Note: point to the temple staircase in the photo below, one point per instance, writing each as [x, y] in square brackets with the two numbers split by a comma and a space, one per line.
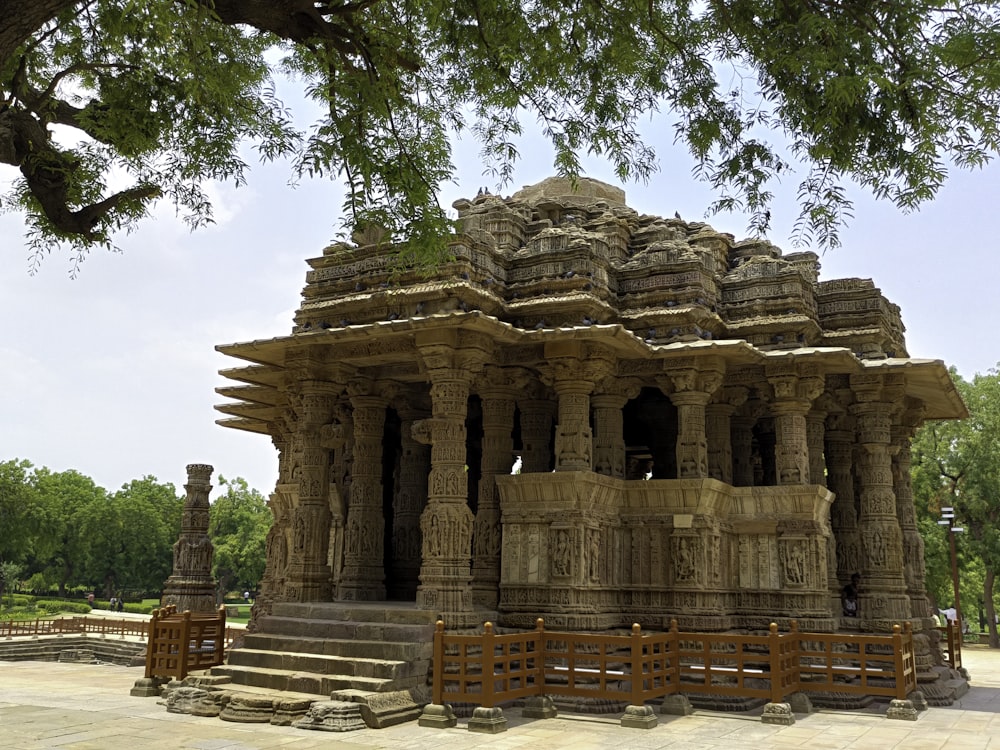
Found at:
[323, 648]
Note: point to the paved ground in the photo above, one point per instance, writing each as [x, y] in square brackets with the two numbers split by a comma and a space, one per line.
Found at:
[78, 707]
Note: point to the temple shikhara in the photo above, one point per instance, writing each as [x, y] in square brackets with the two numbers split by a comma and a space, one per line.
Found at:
[593, 416]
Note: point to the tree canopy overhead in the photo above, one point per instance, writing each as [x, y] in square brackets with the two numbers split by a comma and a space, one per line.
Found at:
[109, 105]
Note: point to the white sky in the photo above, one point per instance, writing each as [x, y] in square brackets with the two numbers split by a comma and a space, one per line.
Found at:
[113, 373]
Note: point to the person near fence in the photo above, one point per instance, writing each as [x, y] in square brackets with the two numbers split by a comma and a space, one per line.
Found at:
[121, 603]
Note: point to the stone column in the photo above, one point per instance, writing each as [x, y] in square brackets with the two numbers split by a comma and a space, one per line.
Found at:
[446, 523]
[335, 439]
[719, 431]
[536, 431]
[609, 436]
[408, 503]
[793, 396]
[815, 445]
[883, 599]
[191, 586]
[742, 424]
[572, 371]
[839, 446]
[691, 388]
[308, 575]
[913, 544]
[363, 577]
[498, 388]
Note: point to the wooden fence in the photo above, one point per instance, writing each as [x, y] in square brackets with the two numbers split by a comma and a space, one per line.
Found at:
[952, 636]
[491, 669]
[96, 625]
[183, 642]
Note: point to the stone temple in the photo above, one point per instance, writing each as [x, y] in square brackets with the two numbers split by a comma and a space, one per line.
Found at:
[698, 428]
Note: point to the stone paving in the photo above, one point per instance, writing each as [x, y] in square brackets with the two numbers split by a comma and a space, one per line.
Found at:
[83, 707]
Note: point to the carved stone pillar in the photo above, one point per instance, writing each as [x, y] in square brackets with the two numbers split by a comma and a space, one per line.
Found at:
[408, 503]
[719, 431]
[363, 578]
[609, 438]
[883, 599]
[446, 523]
[572, 374]
[793, 396]
[335, 439]
[690, 391]
[815, 445]
[839, 445]
[498, 388]
[190, 585]
[536, 431]
[913, 545]
[272, 585]
[308, 575]
[742, 424]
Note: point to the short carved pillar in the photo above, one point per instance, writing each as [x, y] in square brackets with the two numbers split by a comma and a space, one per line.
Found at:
[536, 431]
[308, 575]
[793, 396]
[498, 389]
[883, 599]
[574, 440]
[719, 431]
[609, 437]
[913, 545]
[839, 447]
[446, 523]
[190, 585]
[363, 576]
[690, 391]
[815, 444]
[408, 503]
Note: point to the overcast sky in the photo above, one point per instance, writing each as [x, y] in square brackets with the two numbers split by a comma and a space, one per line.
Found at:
[113, 373]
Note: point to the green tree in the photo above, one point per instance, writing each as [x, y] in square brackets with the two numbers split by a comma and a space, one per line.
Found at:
[10, 574]
[21, 515]
[238, 524]
[133, 531]
[74, 527]
[956, 465]
[160, 94]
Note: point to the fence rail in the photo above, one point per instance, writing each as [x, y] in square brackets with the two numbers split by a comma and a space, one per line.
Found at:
[491, 669]
[97, 625]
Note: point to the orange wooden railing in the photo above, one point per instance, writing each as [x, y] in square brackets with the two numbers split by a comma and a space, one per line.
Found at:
[96, 625]
[491, 669]
[952, 631]
[180, 643]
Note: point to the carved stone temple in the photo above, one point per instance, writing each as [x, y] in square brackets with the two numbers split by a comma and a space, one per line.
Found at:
[700, 428]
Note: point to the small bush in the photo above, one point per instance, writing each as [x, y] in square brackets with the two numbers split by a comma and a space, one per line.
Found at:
[139, 608]
[61, 605]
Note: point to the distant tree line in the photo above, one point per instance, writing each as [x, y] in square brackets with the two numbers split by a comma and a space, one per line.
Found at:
[63, 533]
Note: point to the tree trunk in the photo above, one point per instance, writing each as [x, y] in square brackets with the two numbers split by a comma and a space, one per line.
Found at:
[991, 614]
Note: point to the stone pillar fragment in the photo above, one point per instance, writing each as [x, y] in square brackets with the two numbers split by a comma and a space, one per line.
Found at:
[191, 586]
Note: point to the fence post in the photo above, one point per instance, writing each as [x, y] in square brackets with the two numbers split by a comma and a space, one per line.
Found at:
[638, 715]
[900, 707]
[539, 705]
[488, 665]
[487, 718]
[776, 712]
[437, 713]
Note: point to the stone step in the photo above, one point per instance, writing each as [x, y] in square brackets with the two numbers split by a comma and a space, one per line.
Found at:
[345, 629]
[396, 613]
[350, 648]
[314, 684]
[383, 669]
